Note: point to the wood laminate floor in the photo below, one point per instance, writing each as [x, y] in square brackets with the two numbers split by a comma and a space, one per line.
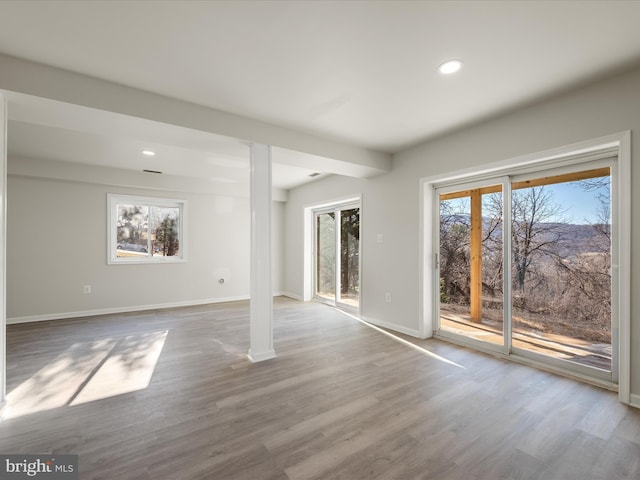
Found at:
[171, 395]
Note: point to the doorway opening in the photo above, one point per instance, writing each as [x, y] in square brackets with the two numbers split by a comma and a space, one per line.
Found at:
[337, 255]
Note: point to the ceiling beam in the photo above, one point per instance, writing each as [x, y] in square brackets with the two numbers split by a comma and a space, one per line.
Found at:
[23, 76]
[117, 177]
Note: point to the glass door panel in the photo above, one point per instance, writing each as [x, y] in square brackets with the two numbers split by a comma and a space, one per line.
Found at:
[338, 256]
[471, 264]
[326, 256]
[350, 257]
[561, 267]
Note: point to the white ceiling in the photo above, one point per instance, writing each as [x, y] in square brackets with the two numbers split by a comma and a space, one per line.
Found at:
[51, 130]
[360, 72]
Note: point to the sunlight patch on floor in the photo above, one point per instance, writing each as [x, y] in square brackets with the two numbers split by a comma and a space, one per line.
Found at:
[89, 371]
[424, 351]
[129, 368]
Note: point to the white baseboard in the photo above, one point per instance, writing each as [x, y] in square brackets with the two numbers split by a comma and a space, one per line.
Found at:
[291, 295]
[634, 400]
[393, 326]
[261, 356]
[133, 308]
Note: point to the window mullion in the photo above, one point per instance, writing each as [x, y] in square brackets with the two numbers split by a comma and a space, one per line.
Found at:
[506, 270]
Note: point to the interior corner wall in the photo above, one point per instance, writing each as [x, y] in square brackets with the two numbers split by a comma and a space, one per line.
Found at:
[57, 242]
[391, 201]
[384, 266]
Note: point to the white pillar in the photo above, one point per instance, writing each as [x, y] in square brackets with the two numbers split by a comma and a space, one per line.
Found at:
[3, 249]
[261, 303]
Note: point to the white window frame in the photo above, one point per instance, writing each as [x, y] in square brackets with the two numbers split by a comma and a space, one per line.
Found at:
[620, 145]
[114, 199]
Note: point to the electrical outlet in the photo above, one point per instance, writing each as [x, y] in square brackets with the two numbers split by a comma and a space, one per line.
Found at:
[86, 289]
[387, 296]
[380, 238]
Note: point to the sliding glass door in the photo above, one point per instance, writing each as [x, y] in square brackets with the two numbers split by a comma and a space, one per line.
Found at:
[337, 258]
[524, 266]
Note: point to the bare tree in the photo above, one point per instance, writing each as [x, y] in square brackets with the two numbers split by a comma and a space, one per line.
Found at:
[492, 254]
[533, 232]
[601, 186]
[586, 276]
[454, 251]
[455, 247]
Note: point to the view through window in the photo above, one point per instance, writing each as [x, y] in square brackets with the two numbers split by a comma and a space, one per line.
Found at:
[560, 241]
[146, 229]
[337, 263]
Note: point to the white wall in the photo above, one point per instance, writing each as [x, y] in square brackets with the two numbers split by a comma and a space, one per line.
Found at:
[391, 201]
[387, 266]
[57, 240]
[277, 247]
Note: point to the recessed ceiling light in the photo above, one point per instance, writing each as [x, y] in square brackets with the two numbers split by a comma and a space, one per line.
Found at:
[148, 153]
[450, 66]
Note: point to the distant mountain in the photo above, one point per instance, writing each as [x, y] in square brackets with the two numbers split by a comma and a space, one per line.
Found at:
[572, 239]
[577, 239]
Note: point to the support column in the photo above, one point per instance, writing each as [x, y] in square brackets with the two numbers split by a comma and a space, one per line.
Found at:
[476, 256]
[261, 303]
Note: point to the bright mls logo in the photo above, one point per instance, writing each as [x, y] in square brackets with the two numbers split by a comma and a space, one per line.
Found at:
[51, 467]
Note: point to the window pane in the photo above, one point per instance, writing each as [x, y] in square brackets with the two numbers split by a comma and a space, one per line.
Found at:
[132, 230]
[350, 256]
[471, 262]
[165, 231]
[561, 244]
[326, 256]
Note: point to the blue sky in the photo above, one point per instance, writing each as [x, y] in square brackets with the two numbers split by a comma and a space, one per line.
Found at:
[581, 207]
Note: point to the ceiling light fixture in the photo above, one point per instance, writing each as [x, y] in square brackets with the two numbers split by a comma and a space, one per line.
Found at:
[149, 153]
[450, 66]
